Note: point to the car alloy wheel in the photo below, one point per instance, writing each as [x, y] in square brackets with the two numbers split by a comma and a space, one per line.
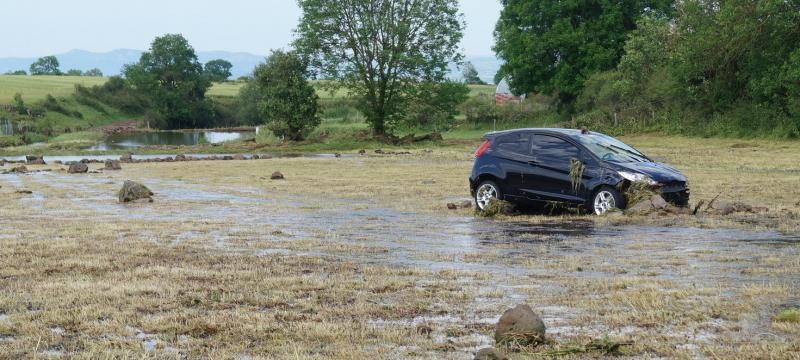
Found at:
[486, 192]
[604, 201]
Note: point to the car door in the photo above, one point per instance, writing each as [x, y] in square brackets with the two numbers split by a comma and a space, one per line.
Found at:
[513, 154]
[548, 173]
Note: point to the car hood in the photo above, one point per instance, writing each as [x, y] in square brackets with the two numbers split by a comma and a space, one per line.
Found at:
[657, 171]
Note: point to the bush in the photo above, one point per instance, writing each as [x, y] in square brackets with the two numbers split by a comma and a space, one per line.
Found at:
[480, 110]
[343, 109]
[434, 105]
[288, 100]
[10, 140]
[19, 104]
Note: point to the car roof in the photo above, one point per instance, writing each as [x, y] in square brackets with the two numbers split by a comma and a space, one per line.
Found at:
[553, 131]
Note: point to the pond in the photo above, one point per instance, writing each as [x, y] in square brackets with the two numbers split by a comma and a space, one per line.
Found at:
[174, 138]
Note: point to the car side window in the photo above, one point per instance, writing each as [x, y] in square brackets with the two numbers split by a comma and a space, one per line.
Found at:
[515, 143]
[553, 148]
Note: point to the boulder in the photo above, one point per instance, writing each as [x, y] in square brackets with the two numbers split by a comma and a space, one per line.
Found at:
[78, 168]
[180, 157]
[126, 158]
[112, 165]
[35, 160]
[362, 152]
[658, 202]
[132, 191]
[520, 325]
[227, 157]
[239, 157]
[490, 353]
[338, 155]
[277, 176]
[256, 157]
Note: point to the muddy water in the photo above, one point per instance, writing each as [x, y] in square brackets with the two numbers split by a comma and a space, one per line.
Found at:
[549, 256]
[443, 241]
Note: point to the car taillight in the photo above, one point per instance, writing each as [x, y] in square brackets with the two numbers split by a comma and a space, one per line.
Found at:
[482, 149]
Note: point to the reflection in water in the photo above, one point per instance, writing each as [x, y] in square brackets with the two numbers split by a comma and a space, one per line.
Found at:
[173, 138]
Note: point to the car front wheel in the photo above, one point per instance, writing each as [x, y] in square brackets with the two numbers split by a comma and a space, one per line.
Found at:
[606, 199]
[487, 190]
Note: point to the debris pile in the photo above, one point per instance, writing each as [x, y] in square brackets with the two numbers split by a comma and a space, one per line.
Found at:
[497, 207]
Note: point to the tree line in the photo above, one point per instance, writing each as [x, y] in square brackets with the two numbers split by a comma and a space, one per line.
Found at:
[693, 66]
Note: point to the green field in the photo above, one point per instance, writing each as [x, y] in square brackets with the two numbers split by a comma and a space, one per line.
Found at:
[34, 88]
[232, 89]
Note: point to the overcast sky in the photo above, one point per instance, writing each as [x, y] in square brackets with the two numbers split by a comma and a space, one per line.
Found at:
[33, 28]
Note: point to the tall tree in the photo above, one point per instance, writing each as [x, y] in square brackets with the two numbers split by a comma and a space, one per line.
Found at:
[47, 65]
[218, 70]
[93, 72]
[171, 77]
[470, 75]
[380, 49]
[287, 100]
[553, 46]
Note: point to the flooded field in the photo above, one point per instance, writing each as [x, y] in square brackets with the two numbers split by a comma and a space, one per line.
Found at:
[135, 140]
[357, 257]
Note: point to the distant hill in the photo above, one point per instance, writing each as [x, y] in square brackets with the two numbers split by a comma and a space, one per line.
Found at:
[111, 62]
[243, 63]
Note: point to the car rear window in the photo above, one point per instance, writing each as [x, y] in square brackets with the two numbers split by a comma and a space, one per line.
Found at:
[516, 143]
[551, 147]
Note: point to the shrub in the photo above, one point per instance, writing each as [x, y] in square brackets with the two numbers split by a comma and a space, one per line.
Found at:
[480, 110]
[10, 140]
[288, 100]
[434, 105]
[19, 104]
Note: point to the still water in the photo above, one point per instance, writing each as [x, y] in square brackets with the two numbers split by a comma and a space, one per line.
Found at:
[155, 138]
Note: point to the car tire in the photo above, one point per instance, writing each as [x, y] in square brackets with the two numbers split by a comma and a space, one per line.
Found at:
[486, 190]
[604, 199]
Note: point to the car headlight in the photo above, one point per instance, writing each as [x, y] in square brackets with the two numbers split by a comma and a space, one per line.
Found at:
[637, 177]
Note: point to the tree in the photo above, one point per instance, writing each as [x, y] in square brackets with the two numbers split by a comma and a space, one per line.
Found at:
[74, 72]
[471, 75]
[287, 99]
[17, 72]
[47, 65]
[93, 72]
[552, 46]
[218, 70]
[380, 49]
[171, 78]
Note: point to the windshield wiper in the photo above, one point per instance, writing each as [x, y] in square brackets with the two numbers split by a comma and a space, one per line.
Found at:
[635, 154]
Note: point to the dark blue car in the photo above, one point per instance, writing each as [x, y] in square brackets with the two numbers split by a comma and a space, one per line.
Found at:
[533, 166]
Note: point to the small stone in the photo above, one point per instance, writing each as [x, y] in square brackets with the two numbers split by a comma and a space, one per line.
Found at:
[132, 191]
[520, 325]
[112, 165]
[452, 206]
[78, 168]
[466, 204]
[277, 176]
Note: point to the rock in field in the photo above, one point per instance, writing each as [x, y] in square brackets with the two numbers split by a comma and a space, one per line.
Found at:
[239, 157]
[277, 176]
[180, 157]
[132, 191]
[112, 165]
[35, 160]
[490, 353]
[20, 169]
[520, 325]
[78, 168]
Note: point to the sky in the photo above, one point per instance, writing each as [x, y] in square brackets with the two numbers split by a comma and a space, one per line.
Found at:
[34, 28]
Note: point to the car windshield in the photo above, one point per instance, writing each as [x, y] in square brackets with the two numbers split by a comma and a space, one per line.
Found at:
[610, 149]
